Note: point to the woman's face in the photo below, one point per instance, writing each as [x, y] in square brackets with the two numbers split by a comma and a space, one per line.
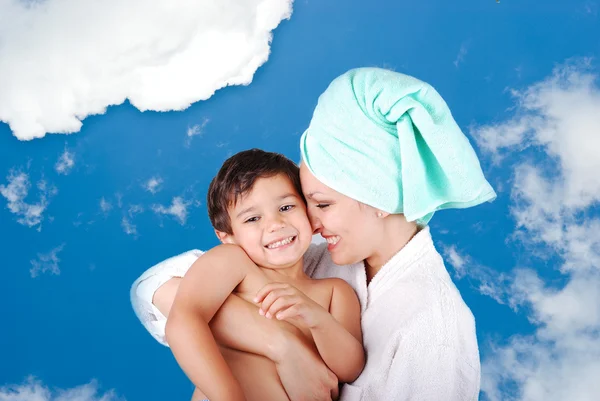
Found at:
[351, 228]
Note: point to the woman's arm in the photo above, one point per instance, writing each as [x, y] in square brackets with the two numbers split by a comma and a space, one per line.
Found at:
[201, 293]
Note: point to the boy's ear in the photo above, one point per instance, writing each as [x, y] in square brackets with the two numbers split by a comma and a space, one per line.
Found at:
[224, 237]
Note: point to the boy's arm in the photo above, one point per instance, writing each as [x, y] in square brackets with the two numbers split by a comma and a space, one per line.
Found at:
[201, 293]
[339, 337]
[336, 333]
[301, 371]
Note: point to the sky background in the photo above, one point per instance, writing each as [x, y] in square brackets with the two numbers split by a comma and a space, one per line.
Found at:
[83, 215]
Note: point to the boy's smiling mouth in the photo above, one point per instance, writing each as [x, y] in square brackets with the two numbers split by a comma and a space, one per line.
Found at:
[281, 242]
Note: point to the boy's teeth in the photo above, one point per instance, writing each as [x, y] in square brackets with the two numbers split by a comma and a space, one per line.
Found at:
[332, 240]
[280, 243]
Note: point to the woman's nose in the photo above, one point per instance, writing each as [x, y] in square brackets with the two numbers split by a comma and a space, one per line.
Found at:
[315, 223]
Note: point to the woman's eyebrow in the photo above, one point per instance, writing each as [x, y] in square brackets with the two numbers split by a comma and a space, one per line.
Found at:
[312, 194]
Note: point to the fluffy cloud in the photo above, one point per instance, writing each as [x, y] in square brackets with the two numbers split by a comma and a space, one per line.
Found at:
[17, 190]
[160, 55]
[65, 162]
[153, 185]
[34, 390]
[46, 262]
[554, 205]
[178, 209]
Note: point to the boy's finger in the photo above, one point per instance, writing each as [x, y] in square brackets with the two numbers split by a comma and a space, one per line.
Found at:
[288, 313]
[264, 291]
[280, 304]
[269, 299]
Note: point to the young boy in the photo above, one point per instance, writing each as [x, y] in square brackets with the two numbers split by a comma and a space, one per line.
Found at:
[257, 210]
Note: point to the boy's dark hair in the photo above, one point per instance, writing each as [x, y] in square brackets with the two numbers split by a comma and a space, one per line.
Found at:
[237, 176]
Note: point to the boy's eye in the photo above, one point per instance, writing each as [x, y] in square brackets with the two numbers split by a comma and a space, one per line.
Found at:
[251, 220]
[286, 208]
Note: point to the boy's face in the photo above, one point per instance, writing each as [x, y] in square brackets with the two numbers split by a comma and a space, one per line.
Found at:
[270, 223]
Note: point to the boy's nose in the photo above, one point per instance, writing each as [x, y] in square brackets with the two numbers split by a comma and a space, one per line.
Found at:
[276, 223]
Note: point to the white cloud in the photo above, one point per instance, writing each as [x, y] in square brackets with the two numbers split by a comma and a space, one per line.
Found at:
[128, 227]
[160, 55]
[105, 205]
[457, 260]
[135, 209]
[16, 191]
[33, 390]
[178, 209]
[153, 185]
[46, 262]
[485, 280]
[195, 130]
[554, 205]
[119, 197]
[460, 57]
[65, 163]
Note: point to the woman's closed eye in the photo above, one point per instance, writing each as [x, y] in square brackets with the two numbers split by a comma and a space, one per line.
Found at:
[322, 205]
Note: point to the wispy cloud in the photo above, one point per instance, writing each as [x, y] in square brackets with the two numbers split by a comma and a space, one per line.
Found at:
[178, 209]
[46, 262]
[195, 130]
[34, 390]
[590, 8]
[462, 53]
[153, 185]
[65, 162]
[105, 206]
[135, 209]
[157, 59]
[17, 190]
[128, 227]
[553, 209]
[485, 280]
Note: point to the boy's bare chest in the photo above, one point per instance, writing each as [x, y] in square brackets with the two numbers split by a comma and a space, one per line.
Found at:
[319, 291]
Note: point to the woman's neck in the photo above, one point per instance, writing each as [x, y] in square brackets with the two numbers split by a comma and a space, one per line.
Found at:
[396, 233]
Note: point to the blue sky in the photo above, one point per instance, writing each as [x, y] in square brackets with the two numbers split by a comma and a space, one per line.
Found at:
[82, 215]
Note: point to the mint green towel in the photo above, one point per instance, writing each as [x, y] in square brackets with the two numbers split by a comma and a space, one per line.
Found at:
[389, 140]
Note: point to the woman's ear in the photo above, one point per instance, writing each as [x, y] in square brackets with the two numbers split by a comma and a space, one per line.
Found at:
[224, 237]
[381, 214]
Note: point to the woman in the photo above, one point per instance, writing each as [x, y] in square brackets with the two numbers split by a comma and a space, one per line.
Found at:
[381, 155]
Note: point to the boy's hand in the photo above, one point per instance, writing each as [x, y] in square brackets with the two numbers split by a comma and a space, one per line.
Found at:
[285, 302]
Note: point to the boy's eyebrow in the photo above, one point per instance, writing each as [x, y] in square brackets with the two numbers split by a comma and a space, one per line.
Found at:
[282, 197]
[288, 195]
[246, 210]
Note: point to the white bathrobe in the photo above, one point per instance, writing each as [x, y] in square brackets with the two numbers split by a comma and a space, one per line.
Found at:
[418, 334]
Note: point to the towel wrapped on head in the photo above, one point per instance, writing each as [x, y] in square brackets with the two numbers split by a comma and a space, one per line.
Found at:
[389, 140]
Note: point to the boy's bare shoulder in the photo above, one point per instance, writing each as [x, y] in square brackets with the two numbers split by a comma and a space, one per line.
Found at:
[227, 256]
[338, 287]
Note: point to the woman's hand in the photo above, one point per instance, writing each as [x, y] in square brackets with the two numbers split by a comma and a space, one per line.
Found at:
[285, 302]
